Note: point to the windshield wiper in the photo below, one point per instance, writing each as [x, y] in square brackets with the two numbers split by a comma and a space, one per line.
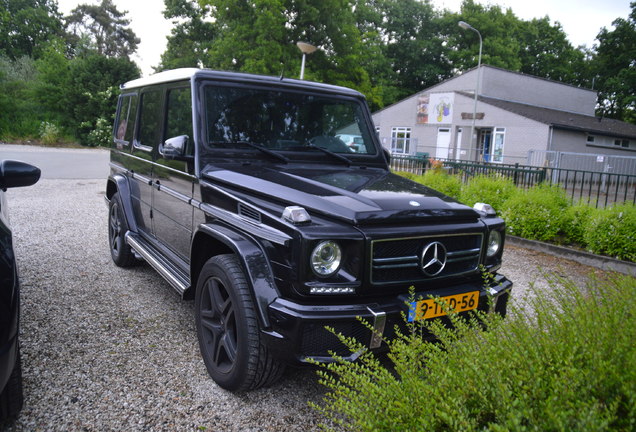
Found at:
[330, 153]
[258, 147]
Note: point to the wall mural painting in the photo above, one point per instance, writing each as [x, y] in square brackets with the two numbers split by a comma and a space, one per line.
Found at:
[422, 109]
[436, 108]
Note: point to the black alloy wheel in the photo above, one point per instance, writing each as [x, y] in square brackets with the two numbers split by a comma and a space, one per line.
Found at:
[120, 251]
[228, 329]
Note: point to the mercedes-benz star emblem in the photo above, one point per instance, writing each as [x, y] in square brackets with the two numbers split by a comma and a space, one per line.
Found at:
[433, 259]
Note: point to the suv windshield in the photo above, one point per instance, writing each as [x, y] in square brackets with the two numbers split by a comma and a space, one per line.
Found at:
[285, 121]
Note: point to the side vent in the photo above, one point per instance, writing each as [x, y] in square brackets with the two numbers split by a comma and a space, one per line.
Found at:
[249, 213]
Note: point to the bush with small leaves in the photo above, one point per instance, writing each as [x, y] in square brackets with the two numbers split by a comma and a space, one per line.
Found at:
[612, 231]
[566, 362]
[536, 214]
[575, 221]
[49, 133]
[101, 134]
[489, 189]
[442, 182]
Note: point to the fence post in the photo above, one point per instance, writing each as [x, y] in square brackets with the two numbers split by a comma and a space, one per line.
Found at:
[516, 176]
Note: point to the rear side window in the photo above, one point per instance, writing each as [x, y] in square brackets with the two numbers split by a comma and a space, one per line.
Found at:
[150, 119]
[125, 124]
[179, 114]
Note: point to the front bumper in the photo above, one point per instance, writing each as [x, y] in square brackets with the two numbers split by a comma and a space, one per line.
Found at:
[298, 331]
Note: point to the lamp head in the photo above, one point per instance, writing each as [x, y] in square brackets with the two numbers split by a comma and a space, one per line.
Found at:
[305, 47]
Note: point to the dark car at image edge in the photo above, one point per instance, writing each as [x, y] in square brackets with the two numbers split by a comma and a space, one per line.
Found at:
[240, 191]
[12, 174]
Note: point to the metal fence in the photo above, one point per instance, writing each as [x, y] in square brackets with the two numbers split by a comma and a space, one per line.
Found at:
[596, 188]
[583, 161]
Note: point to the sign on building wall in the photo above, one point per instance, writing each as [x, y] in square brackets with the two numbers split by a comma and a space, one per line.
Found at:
[436, 108]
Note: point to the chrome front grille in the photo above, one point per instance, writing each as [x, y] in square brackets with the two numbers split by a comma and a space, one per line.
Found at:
[400, 260]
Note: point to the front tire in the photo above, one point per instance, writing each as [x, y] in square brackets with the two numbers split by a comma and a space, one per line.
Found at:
[120, 251]
[228, 330]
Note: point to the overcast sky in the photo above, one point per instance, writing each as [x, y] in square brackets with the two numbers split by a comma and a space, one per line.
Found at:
[580, 19]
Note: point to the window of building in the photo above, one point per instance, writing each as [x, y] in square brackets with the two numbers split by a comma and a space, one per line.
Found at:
[498, 145]
[621, 143]
[400, 140]
[590, 139]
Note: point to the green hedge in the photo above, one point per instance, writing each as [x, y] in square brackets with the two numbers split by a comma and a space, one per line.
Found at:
[569, 365]
[493, 190]
[544, 213]
[535, 214]
[612, 231]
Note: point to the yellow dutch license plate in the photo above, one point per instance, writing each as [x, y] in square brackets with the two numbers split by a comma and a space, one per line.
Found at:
[432, 308]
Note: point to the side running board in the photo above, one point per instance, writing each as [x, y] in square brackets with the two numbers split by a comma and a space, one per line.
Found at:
[170, 272]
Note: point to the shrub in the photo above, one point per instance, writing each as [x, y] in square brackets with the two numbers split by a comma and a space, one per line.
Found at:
[100, 134]
[493, 190]
[442, 182]
[536, 214]
[575, 221]
[569, 363]
[408, 175]
[49, 133]
[612, 231]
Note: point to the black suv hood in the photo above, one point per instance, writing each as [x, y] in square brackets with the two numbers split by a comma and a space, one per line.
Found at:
[356, 194]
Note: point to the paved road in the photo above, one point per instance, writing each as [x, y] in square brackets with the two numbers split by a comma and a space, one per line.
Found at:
[60, 163]
[106, 348]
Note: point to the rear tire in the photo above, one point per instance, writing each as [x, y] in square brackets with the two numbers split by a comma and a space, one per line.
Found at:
[12, 398]
[228, 330]
[120, 251]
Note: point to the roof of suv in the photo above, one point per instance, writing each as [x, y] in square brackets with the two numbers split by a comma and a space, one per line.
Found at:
[189, 73]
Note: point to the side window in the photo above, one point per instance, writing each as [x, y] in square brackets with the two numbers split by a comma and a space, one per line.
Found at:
[179, 115]
[150, 119]
[125, 123]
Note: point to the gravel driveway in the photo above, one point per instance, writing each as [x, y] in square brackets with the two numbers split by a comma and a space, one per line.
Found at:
[107, 349]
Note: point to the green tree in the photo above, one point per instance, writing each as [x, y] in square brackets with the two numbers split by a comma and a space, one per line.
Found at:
[615, 68]
[19, 113]
[260, 37]
[27, 24]
[53, 84]
[191, 36]
[92, 91]
[401, 48]
[104, 28]
[546, 52]
[418, 57]
[498, 30]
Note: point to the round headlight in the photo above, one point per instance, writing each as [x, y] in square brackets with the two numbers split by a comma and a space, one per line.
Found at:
[326, 258]
[494, 243]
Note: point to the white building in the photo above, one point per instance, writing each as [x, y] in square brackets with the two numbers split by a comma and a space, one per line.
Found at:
[519, 119]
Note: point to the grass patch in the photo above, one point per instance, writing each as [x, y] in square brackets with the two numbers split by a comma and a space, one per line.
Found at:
[568, 362]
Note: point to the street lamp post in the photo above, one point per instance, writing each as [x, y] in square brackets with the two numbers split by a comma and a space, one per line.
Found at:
[306, 49]
[466, 26]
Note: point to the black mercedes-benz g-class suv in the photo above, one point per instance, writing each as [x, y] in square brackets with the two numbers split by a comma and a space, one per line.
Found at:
[238, 191]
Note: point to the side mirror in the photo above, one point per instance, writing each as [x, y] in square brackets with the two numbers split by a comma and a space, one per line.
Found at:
[17, 174]
[175, 148]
